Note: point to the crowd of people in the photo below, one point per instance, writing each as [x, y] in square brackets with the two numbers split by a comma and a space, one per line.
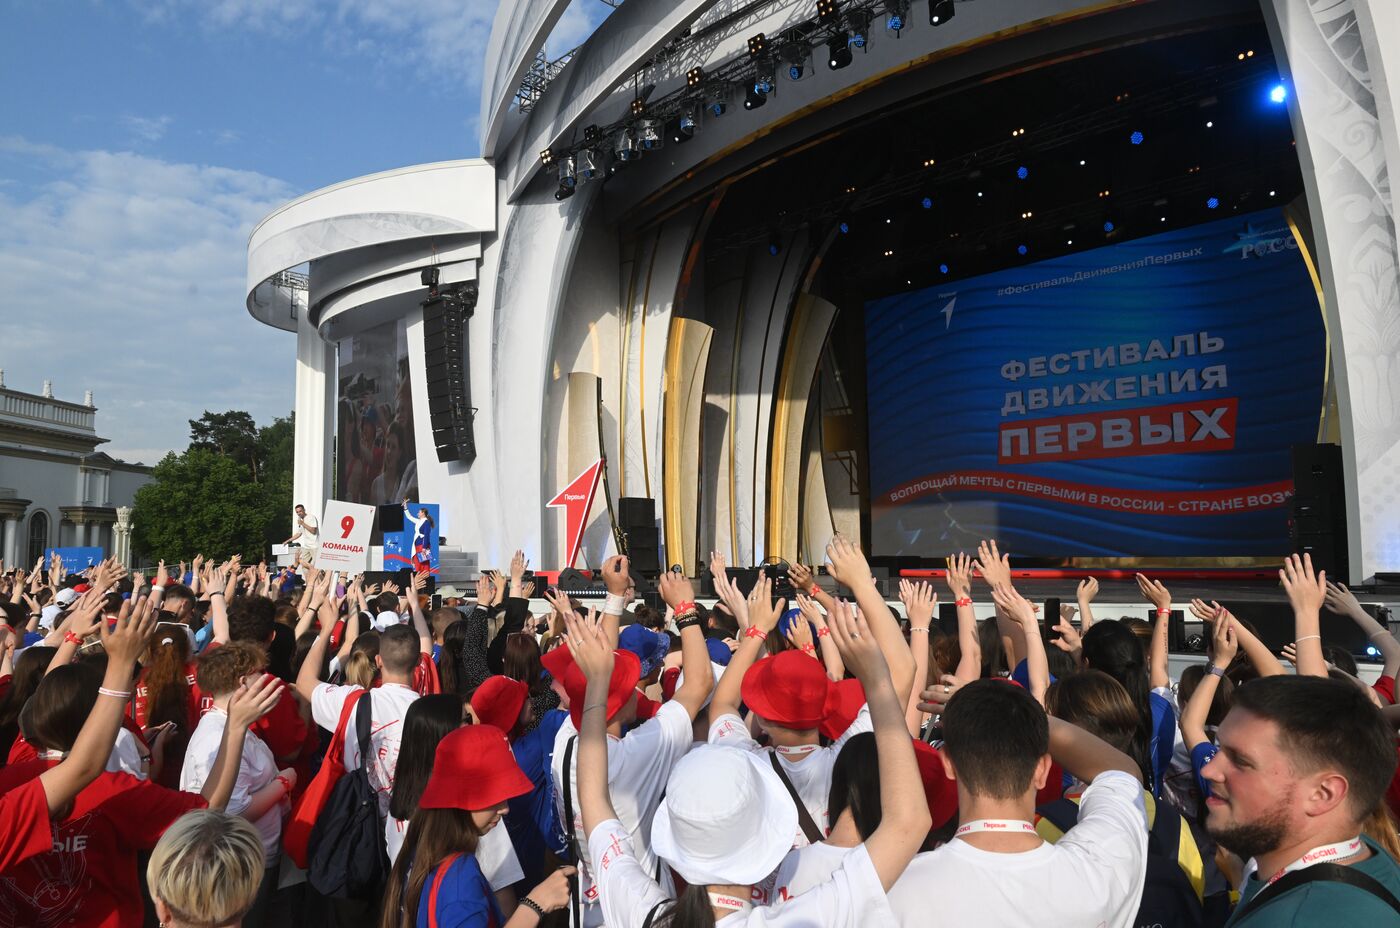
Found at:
[227, 744]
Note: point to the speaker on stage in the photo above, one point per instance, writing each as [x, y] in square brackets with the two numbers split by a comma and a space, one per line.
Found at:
[445, 360]
[636, 516]
[1317, 524]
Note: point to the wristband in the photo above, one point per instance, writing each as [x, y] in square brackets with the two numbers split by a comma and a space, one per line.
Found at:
[103, 691]
[814, 590]
[914, 628]
[532, 905]
[753, 631]
[1211, 668]
[963, 601]
[211, 592]
[286, 783]
[596, 705]
[72, 638]
[809, 648]
[614, 604]
[683, 608]
[690, 621]
[1308, 638]
[823, 632]
[1164, 612]
[1374, 635]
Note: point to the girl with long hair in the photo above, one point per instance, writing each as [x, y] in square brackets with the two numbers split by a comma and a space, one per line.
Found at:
[166, 694]
[1115, 649]
[437, 878]
[29, 671]
[522, 662]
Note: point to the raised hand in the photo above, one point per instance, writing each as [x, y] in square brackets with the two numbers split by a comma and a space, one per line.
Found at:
[1224, 645]
[799, 633]
[553, 893]
[616, 574]
[126, 639]
[588, 643]
[483, 591]
[1306, 590]
[675, 589]
[1341, 600]
[934, 698]
[801, 577]
[1155, 593]
[252, 701]
[960, 576]
[558, 602]
[729, 594]
[1017, 607]
[919, 602]
[1069, 640]
[518, 563]
[848, 563]
[391, 587]
[763, 612]
[419, 581]
[1207, 613]
[857, 645]
[994, 566]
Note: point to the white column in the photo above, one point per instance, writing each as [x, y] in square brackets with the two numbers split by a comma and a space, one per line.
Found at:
[9, 552]
[80, 535]
[1343, 61]
[315, 414]
[121, 536]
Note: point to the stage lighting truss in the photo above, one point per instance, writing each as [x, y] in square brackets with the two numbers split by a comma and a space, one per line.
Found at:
[695, 77]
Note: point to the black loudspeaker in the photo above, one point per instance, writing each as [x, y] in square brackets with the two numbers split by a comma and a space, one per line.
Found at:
[743, 578]
[948, 619]
[1317, 524]
[445, 347]
[1049, 618]
[389, 518]
[1273, 624]
[636, 511]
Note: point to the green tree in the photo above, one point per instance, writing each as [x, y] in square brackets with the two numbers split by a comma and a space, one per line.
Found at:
[229, 493]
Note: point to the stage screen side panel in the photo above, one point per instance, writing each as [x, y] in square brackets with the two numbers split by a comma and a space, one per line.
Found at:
[375, 449]
[1136, 399]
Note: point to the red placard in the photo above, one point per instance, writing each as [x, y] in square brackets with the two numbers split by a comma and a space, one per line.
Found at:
[576, 500]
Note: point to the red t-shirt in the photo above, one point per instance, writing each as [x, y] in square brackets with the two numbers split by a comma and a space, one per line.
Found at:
[1385, 687]
[425, 676]
[24, 824]
[89, 876]
[139, 708]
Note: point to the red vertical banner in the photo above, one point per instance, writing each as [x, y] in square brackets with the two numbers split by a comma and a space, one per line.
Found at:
[576, 500]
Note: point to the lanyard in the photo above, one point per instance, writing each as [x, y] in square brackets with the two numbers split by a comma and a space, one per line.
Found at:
[1008, 825]
[723, 901]
[796, 750]
[1327, 852]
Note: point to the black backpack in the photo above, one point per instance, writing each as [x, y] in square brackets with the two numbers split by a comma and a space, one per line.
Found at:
[346, 858]
[1168, 898]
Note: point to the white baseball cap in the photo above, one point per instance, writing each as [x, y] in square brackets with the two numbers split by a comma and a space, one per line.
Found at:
[387, 620]
[48, 614]
[66, 596]
[726, 818]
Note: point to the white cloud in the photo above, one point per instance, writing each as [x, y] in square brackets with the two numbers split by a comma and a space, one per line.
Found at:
[147, 128]
[123, 274]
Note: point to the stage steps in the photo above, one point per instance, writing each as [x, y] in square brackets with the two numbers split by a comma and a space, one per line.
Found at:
[456, 566]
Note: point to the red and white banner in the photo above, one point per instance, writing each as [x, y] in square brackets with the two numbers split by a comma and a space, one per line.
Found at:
[1170, 503]
[576, 500]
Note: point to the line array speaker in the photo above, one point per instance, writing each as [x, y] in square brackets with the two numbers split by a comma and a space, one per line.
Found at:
[637, 516]
[445, 315]
[1317, 523]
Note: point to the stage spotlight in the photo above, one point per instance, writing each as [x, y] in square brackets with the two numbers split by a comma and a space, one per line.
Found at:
[591, 135]
[858, 22]
[639, 106]
[717, 100]
[1108, 226]
[590, 163]
[897, 12]
[757, 45]
[942, 268]
[694, 76]
[1136, 138]
[827, 11]
[1021, 249]
[1278, 94]
[753, 99]
[563, 193]
[1213, 203]
[649, 134]
[843, 228]
[1023, 172]
[940, 11]
[838, 49]
[795, 55]
[546, 157]
[626, 146]
[763, 78]
[926, 203]
[680, 129]
[775, 246]
[568, 172]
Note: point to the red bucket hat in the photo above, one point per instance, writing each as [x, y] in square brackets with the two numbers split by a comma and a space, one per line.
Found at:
[792, 690]
[940, 790]
[498, 700]
[627, 670]
[557, 661]
[474, 769]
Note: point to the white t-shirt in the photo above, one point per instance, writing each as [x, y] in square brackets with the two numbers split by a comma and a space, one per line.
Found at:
[388, 706]
[257, 769]
[810, 773]
[494, 852]
[1092, 877]
[638, 767]
[804, 868]
[852, 897]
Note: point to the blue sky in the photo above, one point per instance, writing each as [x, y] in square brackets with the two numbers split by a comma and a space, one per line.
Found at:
[140, 141]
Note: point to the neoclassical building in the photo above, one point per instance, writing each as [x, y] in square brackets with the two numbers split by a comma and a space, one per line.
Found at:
[56, 488]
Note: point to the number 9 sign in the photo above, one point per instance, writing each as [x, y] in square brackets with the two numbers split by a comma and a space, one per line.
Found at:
[347, 549]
